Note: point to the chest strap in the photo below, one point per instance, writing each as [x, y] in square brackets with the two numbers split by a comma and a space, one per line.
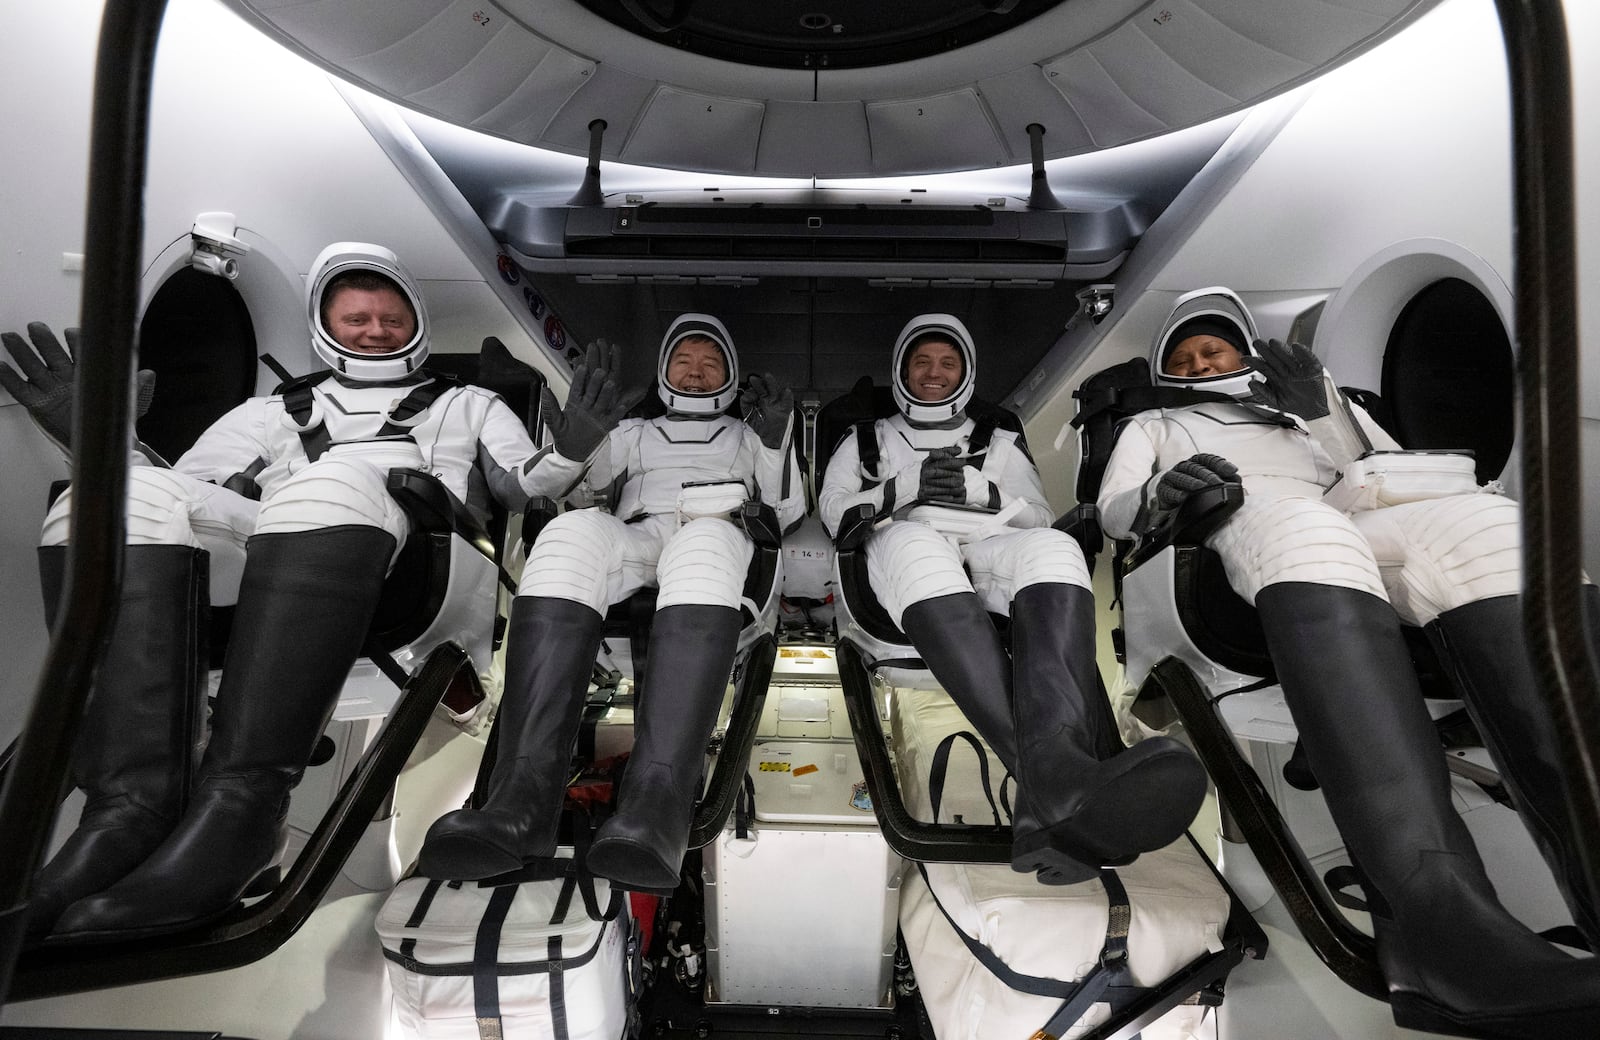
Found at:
[869, 454]
[300, 401]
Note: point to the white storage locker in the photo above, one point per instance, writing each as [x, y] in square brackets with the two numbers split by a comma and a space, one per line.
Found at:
[802, 911]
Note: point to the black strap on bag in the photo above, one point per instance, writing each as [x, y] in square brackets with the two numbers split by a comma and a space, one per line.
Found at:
[941, 765]
[1110, 979]
[485, 966]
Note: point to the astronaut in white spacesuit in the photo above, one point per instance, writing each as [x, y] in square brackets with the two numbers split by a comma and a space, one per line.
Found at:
[279, 507]
[1332, 589]
[1077, 810]
[676, 481]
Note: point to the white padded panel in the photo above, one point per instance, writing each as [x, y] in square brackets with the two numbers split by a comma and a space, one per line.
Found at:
[608, 94]
[829, 137]
[339, 30]
[484, 81]
[527, 110]
[1238, 65]
[1095, 73]
[1156, 82]
[678, 127]
[943, 132]
[1024, 96]
[431, 54]
[1310, 31]
[1108, 114]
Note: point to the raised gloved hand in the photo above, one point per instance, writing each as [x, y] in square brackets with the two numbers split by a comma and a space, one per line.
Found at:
[1187, 479]
[1293, 379]
[594, 405]
[767, 408]
[44, 387]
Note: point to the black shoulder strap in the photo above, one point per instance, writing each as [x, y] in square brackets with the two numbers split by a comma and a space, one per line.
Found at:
[298, 400]
[868, 452]
[416, 402]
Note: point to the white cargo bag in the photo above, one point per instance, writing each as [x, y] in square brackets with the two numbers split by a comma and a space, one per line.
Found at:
[468, 960]
[1177, 909]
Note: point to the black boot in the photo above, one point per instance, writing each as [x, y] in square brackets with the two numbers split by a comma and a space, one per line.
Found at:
[641, 848]
[550, 653]
[1074, 807]
[305, 603]
[1100, 803]
[137, 745]
[1483, 646]
[1455, 960]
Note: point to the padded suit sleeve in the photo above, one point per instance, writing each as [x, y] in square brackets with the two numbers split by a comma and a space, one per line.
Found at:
[1376, 435]
[516, 470]
[235, 443]
[1131, 475]
[1018, 478]
[777, 474]
[842, 486]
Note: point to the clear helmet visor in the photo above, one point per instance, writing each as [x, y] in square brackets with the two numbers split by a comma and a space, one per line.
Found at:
[352, 264]
[1214, 312]
[922, 328]
[697, 401]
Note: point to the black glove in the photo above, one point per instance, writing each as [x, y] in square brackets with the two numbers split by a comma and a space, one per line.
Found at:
[767, 408]
[941, 478]
[594, 404]
[44, 387]
[1293, 379]
[1188, 478]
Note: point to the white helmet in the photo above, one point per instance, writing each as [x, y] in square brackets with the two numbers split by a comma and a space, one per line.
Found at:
[1214, 311]
[948, 327]
[686, 402]
[343, 258]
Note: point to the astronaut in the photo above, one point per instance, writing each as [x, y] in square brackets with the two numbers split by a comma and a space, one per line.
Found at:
[1332, 589]
[1077, 810]
[676, 480]
[281, 508]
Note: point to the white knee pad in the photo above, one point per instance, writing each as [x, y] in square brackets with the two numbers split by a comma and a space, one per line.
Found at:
[159, 502]
[1036, 556]
[1272, 540]
[909, 562]
[333, 492]
[575, 557]
[1446, 552]
[704, 563]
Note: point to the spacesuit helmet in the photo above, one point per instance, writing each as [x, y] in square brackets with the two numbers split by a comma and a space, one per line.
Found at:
[924, 327]
[330, 272]
[1214, 311]
[698, 402]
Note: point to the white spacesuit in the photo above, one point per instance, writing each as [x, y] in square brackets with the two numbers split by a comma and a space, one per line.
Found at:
[1076, 812]
[674, 482]
[1331, 589]
[283, 502]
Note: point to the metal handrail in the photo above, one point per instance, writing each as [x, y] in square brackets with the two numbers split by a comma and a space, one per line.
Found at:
[101, 440]
[1547, 307]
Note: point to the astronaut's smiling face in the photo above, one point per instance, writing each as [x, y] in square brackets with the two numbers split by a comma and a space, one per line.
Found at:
[1203, 355]
[696, 366]
[934, 370]
[370, 321]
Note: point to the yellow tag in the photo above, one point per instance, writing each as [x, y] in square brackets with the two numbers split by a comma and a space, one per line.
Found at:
[774, 767]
